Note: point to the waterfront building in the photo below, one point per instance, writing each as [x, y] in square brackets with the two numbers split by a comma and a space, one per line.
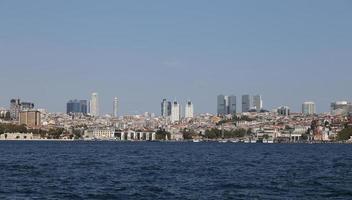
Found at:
[308, 108]
[189, 110]
[94, 105]
[30, 118]
[175, 112]
[115, 107]
[257, 102]
[77, 106]
[246, 103]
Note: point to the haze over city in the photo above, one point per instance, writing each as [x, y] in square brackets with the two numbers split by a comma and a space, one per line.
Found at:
[142, 52]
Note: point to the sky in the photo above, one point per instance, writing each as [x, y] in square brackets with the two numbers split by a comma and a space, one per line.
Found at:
[143, 51]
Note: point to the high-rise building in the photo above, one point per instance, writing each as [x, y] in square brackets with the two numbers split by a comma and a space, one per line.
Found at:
[15, 108]
[308, 108]
[115, 107]
[246, 103]
[27, 106]
[221, 105]
[77, 106]
[231, 104]
[257, 102]
[31, 118]
[94, 105]
[189, 110]
[165, 108]
[283, 110]
[175, 112]
[226, 105]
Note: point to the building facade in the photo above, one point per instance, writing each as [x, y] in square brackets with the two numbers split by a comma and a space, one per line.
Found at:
[246, 103]
[257, 102]
[175, 112]
[115, 107]
[94, 105]
[30, 118]
[189, 110]
[77, 106]
[308, 108]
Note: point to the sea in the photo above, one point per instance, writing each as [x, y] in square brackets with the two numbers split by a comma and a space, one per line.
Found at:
[173, 170]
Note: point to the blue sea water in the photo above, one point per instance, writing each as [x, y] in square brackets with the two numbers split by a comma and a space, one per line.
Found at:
[170, 170]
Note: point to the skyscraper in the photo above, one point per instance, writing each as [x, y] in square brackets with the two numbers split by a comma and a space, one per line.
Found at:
[94, 105]
[226, 105]
[231, 107]
[115, 107]
[257, 102]
[284, 110]
[221, 105]
[308, 108]
[246, 103]
[77, 106]
[15, 108]
[189, 110]
[175, 112]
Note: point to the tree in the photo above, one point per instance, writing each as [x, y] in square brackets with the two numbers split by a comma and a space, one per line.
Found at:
[161, 134]
[345, 134]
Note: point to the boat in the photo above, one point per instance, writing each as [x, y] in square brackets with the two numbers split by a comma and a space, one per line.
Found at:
[197, 140]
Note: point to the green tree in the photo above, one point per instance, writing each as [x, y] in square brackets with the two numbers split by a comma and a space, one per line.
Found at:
[345, 134]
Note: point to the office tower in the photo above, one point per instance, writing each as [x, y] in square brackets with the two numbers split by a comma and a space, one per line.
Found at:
[15, 108]
[115, 107]
[246, 103]
[231, 104]
[221, 105]
[94, 105]
[30, 118]
[189, 110]
[164, 108]
[5, 114]
[308, 108]
[257, 102]
[175, 112]
[77, 106]
[27, 106]
[283, 110]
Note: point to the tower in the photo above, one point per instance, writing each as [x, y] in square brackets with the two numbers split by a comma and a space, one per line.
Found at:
[115, 107]
[175, 112]
[94, 104]
[257, 102]
[246, 103]
[189, 110]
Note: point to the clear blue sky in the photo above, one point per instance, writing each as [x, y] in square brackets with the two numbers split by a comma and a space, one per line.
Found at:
[143, 51]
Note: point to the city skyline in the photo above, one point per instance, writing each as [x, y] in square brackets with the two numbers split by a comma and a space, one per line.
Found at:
[285, 51]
